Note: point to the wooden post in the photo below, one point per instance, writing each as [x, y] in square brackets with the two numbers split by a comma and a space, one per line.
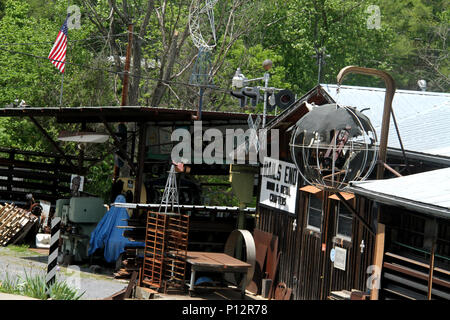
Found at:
[141, 162]
[81, 153]
[127, 66]
[433, 251]
[378, 257]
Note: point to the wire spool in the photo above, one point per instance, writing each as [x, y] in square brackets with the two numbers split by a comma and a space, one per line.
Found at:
[230, 248]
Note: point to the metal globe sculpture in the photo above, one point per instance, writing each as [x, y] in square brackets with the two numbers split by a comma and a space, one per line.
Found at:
[333, 145]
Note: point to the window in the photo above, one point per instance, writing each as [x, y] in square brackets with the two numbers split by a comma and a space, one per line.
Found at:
[344, 223]
[314, 213]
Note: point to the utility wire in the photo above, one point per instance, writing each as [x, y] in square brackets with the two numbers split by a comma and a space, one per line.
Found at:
[116, 72]
[51, 42]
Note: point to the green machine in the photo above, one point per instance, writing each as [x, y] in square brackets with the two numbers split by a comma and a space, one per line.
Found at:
[242, 178]
[79, 217]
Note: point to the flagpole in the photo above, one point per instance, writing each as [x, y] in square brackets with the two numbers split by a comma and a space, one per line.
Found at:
[62, 77]
[62, 88]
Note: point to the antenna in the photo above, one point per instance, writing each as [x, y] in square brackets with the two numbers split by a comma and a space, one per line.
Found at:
[170, 196]
[201, 75]
[197, 13]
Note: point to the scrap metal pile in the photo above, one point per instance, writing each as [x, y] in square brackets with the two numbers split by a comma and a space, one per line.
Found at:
[266, 267]
[15, 223]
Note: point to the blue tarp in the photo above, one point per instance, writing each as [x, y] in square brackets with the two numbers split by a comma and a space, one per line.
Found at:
[107, 236]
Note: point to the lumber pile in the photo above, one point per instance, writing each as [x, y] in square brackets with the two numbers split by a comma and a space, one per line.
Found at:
[14, 223]
[132, 262]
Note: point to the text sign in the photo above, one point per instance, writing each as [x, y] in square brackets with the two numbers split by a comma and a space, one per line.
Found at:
[340, 258]
[279, 185]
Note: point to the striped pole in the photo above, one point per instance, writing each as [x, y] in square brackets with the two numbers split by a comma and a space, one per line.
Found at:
[53, 252]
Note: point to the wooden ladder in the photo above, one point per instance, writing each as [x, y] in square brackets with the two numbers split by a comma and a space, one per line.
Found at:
[177, 244]
[152, 271]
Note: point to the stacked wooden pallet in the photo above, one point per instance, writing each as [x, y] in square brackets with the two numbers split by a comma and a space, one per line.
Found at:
[175, 259]
[14, 223]
[165, 252]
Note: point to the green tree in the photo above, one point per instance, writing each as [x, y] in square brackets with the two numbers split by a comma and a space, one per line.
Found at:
[297, 29]
[420, 49]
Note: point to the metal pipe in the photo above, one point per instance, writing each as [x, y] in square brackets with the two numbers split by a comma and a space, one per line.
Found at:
[382, 155]
[266, 85]
[392, 170]
[200, 103]
[390, 91]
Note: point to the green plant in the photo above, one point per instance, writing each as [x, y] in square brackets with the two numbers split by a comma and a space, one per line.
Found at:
[62, 291]
[36, 287]
[9, 285]
[21, 248]
[33, 286]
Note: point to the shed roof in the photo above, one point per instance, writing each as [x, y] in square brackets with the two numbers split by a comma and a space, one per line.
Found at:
[426, 192]
[123, 114]
[422, 117]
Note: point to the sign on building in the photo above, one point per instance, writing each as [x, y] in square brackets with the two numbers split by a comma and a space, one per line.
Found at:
[340, 258]
[76, 183]
[279, 185]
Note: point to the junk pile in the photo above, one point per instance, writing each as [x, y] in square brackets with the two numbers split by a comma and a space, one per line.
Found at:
[15, 223]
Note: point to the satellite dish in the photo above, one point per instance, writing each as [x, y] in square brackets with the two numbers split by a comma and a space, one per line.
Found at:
[83, 137]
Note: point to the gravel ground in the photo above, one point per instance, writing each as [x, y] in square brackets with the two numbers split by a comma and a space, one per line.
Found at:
[15, 261]
[95, 286]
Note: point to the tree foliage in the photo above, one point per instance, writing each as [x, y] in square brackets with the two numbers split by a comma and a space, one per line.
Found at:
[410, 43]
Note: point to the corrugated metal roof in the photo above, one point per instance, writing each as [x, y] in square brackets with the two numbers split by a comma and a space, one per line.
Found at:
[427, 192]
[423, 118]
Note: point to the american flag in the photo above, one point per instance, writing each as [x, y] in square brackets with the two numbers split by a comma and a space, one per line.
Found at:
[58, 53]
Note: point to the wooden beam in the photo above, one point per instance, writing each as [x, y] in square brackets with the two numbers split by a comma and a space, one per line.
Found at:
[118, 144]
[424, 265]
[378, 257]
[53, 142]
[141, 160]
[414, 273]
[433, 250]
[354, 212]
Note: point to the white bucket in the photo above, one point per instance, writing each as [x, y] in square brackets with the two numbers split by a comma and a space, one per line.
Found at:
[43, 240]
